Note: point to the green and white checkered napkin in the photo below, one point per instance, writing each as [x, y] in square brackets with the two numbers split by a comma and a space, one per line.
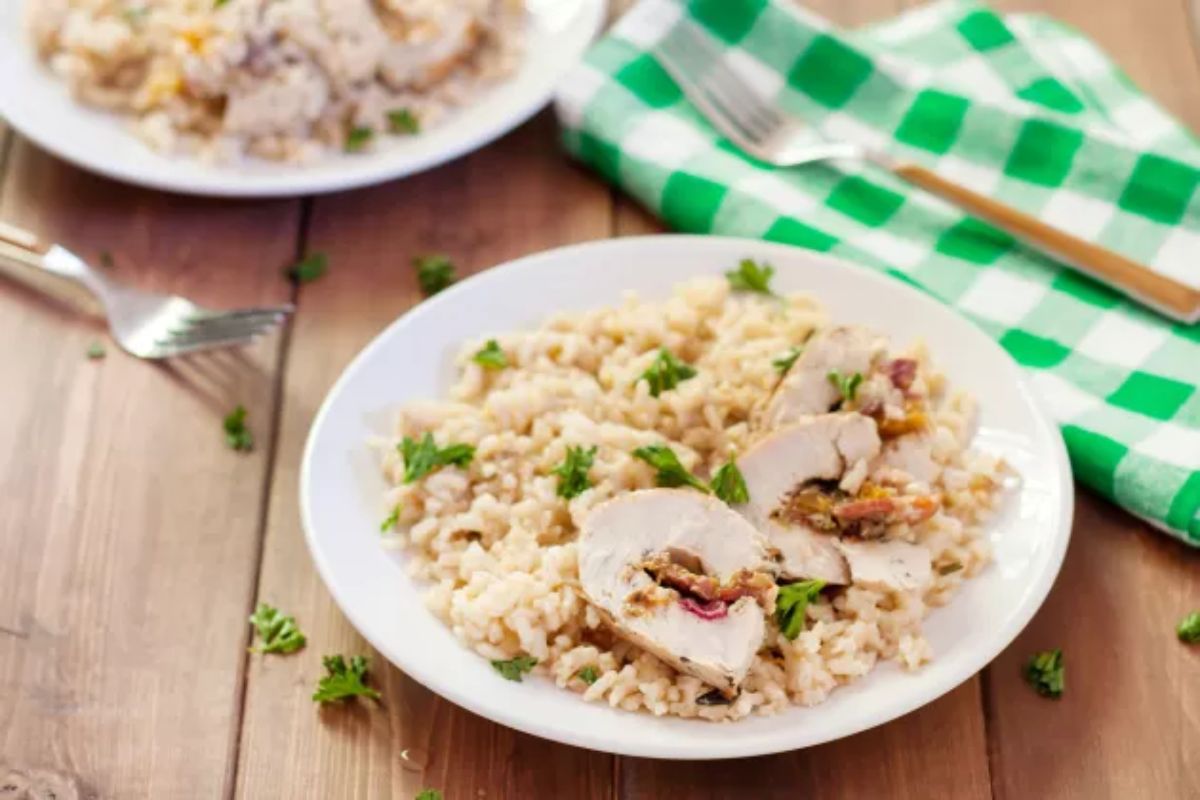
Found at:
[1018, 107]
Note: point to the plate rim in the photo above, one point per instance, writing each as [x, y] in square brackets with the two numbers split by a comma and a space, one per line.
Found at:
[292, 183]
[919, 698]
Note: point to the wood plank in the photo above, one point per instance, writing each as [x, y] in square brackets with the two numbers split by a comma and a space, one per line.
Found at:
[512, 198]
[129, 530]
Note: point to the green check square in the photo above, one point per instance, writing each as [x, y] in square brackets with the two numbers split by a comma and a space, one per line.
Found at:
[604, 157]
[933, 121]
[729, 20]
[690, 202]
[1043, 153]
[865, 202]
[649, 82]
[792, 231]
[1187, 500]
[1160, 189]
[1151, 395]
[1033, 351]
[829, 71]
[1094, 457]
[983, 30]
[974, 241]
[1051, 93]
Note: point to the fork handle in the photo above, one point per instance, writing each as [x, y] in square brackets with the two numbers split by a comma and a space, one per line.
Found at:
[1168, 296]
[24, 258]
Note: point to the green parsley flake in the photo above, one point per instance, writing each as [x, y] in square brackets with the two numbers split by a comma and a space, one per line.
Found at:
[134, 16]
[434, 273]
[514, 668]
[1044, 672]
[358, 138]
[573, 472]
[792, 603]
[428, 794]
[344, 681]
[785, 361]
[666, 372]
[847, 386]
[401, 120]
[389, 523]
[1188, 629]
[750, 276]
[96, 351]
[219, 3]
[951, 568]
[729, 485]
[670, 473]
[491, 356]
[237, 435]
[309, 268]
[423, 457]
[278, 633]
[588, 675]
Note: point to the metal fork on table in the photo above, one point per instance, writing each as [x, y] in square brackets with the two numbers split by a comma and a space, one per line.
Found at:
[748, 120]
[145, 324]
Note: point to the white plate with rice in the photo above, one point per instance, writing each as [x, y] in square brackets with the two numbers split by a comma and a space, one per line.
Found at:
[264, 97]
[483, 562]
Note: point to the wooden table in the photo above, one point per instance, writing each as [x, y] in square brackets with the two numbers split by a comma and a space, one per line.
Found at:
[133, 542]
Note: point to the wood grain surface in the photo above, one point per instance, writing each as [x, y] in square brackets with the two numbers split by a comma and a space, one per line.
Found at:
[134, 543]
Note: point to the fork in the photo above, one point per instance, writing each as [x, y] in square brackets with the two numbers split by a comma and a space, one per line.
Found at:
[748, 120]
[145, 324]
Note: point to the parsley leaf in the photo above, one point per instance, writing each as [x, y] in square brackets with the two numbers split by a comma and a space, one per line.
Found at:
[491, 356]
[588, 675]
[670, 472]
[428, 794]
[343, 681]
[401, 120]
[950, 569]
[308, 269]
[219, 3]
[750, 276]
[237, 435]
[514, 668]
[666, 372]
[573, 471]
[278, 633]
[729, 485]
[847, 385]
[1188, 629]
[390, 522]
[1044, 672]
[358, 138]
[423, 457]
[785, 361]
[96, 350]
[792, 603]
[434, 272]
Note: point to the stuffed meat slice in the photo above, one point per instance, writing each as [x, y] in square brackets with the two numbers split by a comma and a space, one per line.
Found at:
[680, 574]
[806, 388]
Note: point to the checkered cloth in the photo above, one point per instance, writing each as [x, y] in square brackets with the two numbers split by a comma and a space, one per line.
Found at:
[1020, 108]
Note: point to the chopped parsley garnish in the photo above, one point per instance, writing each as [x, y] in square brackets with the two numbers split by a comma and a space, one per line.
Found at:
[344, 681]
[666, 372]
[491, 356]
[514, 668]
[1188, 629]
[951, 568]
[135, 15]
[401, 120]
[588, 675]
[785, 361]
[729, 485]
[670, 473]
[423, 457]
[219, 3]
[96, 350]
[792, 603]
[750, 276]
[847, 385]
[573, 471]
[308, 269]
[428, 794]
[358, 138]
[278, 633]
[1044, 672]
[434, 272]
[237, 435]
[389, 523]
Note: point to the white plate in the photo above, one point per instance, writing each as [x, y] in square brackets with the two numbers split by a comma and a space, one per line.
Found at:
[341, 491]
[39, 106]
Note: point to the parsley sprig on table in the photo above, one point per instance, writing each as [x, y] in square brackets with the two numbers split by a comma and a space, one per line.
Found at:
[1045, 672]
[514, 668]
[434, 272]
[277, 633]
[96, 351]
[729, 485]
[1188, 629]
[666, 372]
[309, 268]
[750, 276]
[424, 456]
[847, 385]
[669, 472]
[792, 603]
[573, 471]
[237, 435]
[344, 680]
[490, 356]
[428, 794]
